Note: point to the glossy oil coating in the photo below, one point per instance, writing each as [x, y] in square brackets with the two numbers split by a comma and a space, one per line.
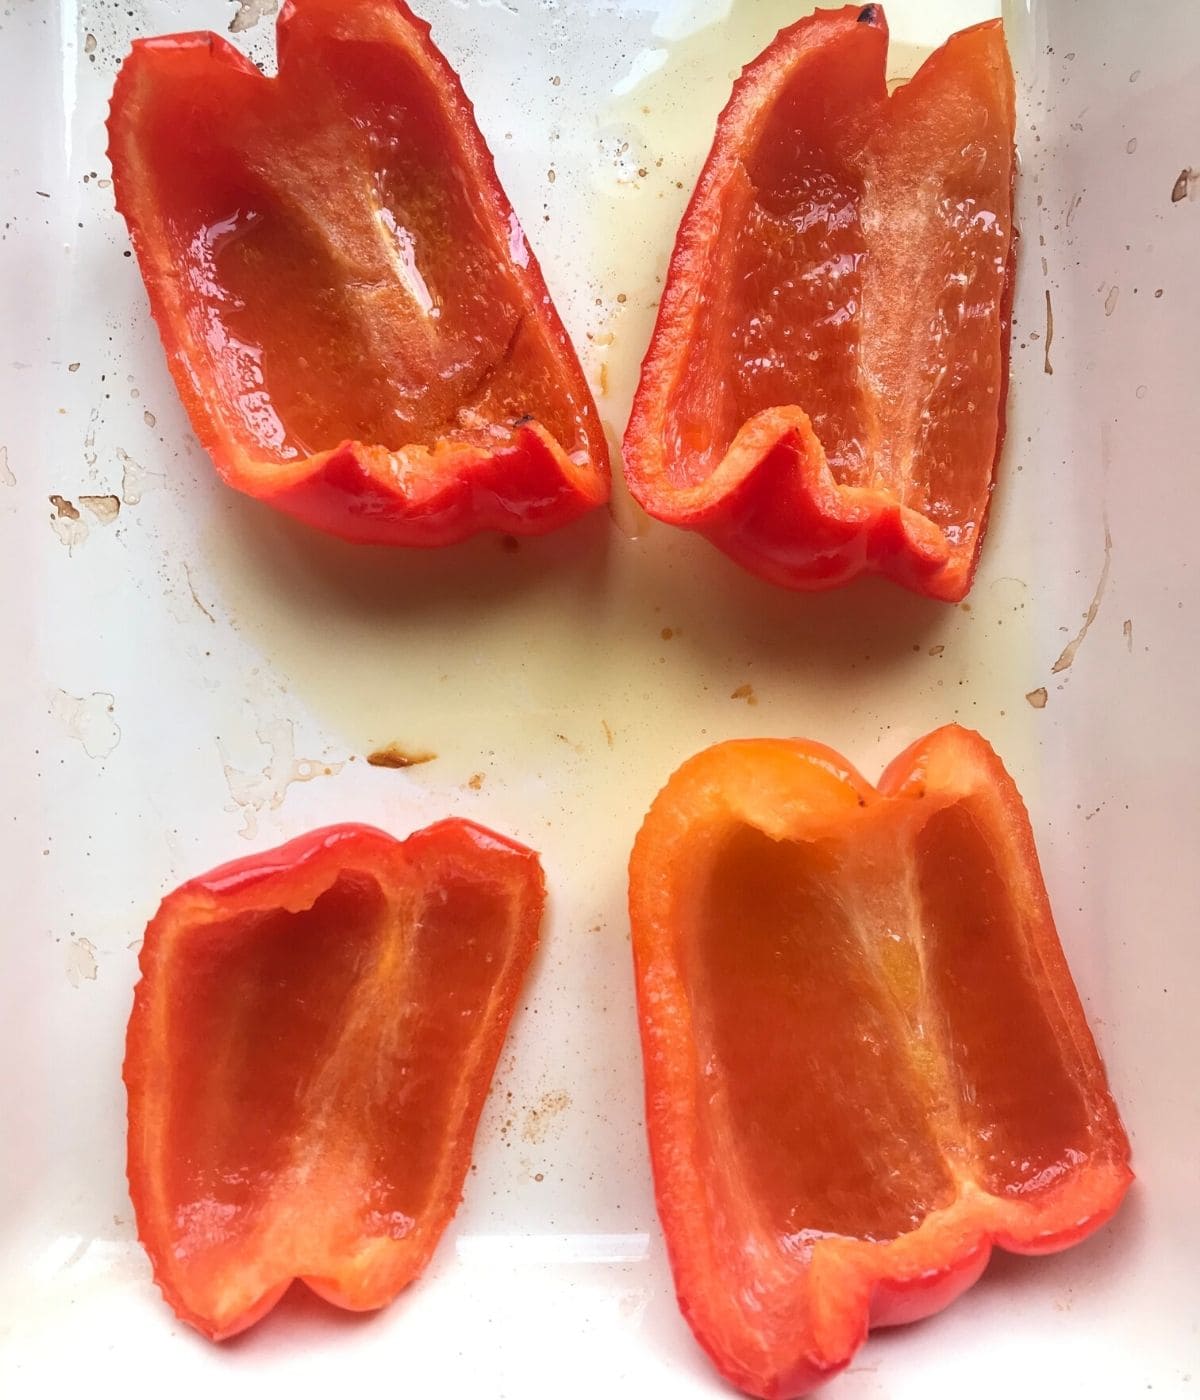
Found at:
[310, 1048]
[866, 1062]
[352, 314]
[825, 389]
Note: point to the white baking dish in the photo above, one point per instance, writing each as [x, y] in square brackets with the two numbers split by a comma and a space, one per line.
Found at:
[177, 680]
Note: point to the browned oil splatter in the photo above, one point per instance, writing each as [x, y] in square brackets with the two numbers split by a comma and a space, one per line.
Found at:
[667, 633]
[1071, 650]
[539, 1118]
[608, 734]
[136, 479]
[89, 439]
[1185, 184]
[393, 756]
[1110, 301]
[187, 573]
[88, 718]
[66, 523]
[81, 961]
[1127, 628]
[1046, 365]
[1037, 698]
[104, 508]
[256, 790]
[249, 12]
[475, 782]
[64, 509]
[937, 650]
[744, 692]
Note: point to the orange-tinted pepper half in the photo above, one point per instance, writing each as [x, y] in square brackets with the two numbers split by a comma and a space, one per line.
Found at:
[824, 391]
[354, 320]
[311, 1044]
[866, 1062]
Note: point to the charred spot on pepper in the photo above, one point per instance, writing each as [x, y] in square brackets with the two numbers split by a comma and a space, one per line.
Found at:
[868, 14]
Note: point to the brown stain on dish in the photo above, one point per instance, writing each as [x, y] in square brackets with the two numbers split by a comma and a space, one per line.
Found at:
[105, 509]
[187, 573]
[608, 734]
[393, 756]
[539, 1118]
[1127, 628]
[64, 509]
[475, 782]
[1046, 365]
[1037, 698]
[1185, 184]
[66, 523]
[744, 692]
[1071, 650]
[250, 12]
[937, 650]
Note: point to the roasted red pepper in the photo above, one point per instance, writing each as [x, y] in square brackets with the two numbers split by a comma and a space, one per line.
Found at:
[311, 1043]
[866, 1062]
[824, 392]
[355, 323]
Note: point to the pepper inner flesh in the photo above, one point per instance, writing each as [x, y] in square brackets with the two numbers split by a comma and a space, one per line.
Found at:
[862, 257]
[1023, 1118]
[345, 282]
[341, 1037]
[853, 1003]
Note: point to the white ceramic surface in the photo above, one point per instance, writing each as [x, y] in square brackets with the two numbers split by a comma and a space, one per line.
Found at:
[176, 681]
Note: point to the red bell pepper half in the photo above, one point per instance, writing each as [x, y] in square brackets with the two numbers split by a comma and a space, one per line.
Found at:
[355, 323]
[311, 1044]
[866, 1063]
[824, 391]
